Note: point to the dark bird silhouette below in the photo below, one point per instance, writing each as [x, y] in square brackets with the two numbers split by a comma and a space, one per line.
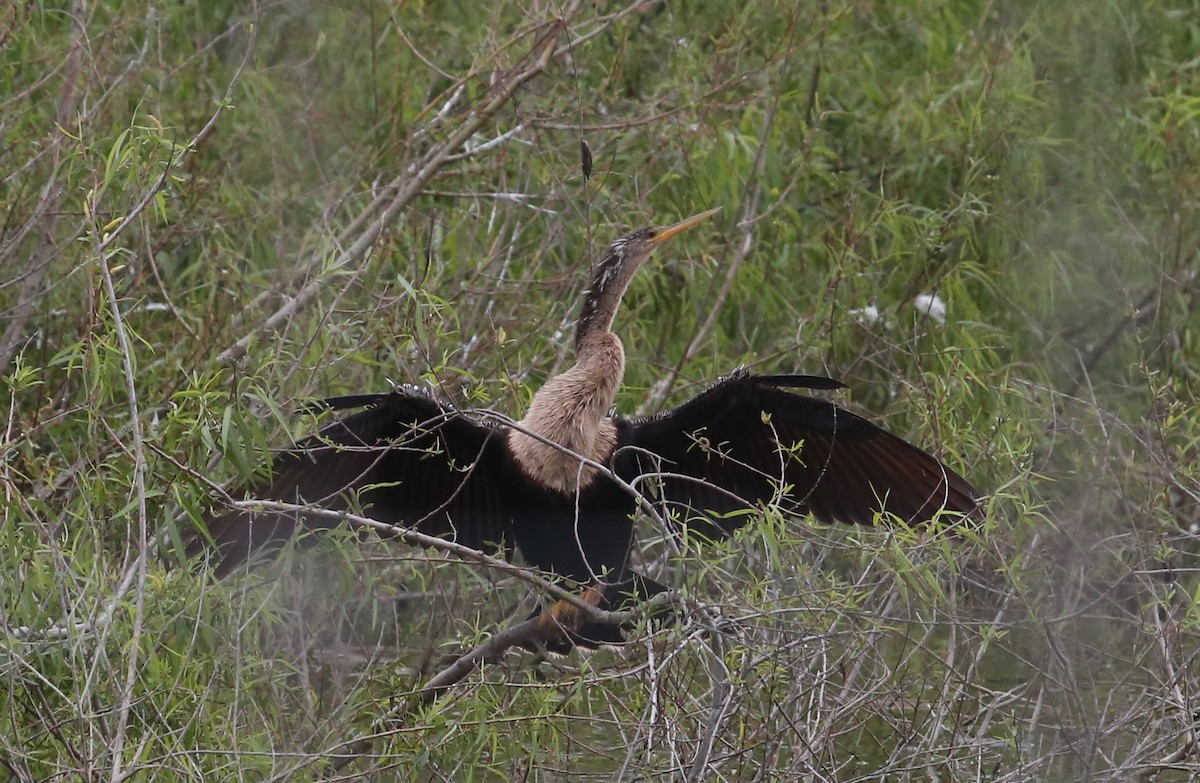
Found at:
[409, 459]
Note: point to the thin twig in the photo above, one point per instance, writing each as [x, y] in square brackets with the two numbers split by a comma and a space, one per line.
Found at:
[409, 185]
[1151, 770]
[46, 209]
[746, 222]
[101, 621]
[722, 700]
[416, 538]
[1139, 313]
[524, 634]
[139, 482]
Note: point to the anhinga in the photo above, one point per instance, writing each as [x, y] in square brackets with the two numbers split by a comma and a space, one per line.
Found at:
[409, 459]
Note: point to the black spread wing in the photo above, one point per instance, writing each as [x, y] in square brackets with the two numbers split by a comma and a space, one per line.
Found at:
[751, 440]
[406, 459]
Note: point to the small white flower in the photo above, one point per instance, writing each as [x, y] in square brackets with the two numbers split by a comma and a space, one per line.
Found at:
[932, 306]
[867, 315]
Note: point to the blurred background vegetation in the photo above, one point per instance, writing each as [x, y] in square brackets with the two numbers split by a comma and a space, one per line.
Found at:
[213, 211]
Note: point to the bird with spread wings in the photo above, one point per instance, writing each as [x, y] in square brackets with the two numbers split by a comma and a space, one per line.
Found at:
[562, 485]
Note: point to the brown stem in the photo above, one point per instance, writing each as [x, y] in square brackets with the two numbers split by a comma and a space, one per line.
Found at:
[47, 207]
[410, 184]
[525, 633]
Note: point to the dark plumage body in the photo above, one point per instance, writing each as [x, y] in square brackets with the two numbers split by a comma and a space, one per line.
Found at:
[408, 459]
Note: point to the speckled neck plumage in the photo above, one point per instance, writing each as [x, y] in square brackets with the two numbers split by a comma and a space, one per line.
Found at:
[571, 409]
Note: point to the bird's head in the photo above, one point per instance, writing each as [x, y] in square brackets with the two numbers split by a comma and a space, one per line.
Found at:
[615, 269]
[627, 254]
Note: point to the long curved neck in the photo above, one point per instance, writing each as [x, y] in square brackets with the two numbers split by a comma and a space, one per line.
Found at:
[610, 281]
[571, 409]
[599, 356]
[595, 319]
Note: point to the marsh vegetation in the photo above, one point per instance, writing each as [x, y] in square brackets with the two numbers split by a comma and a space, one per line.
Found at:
[983, 217]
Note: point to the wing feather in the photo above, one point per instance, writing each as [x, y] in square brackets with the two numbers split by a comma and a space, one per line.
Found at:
[754, 438]
[405, 459]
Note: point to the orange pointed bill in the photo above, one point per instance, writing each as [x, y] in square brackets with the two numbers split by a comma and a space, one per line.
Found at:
[666, 232]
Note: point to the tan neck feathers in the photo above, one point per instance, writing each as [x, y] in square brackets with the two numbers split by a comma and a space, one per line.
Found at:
[571, 410]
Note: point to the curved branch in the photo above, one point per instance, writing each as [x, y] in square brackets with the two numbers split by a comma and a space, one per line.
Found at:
[409, 185]
[465, 553]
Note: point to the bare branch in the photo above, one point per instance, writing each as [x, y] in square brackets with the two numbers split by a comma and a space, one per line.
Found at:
[409, 185]
[523, 634]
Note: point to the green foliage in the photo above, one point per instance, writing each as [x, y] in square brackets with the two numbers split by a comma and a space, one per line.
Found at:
[1033, 165]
